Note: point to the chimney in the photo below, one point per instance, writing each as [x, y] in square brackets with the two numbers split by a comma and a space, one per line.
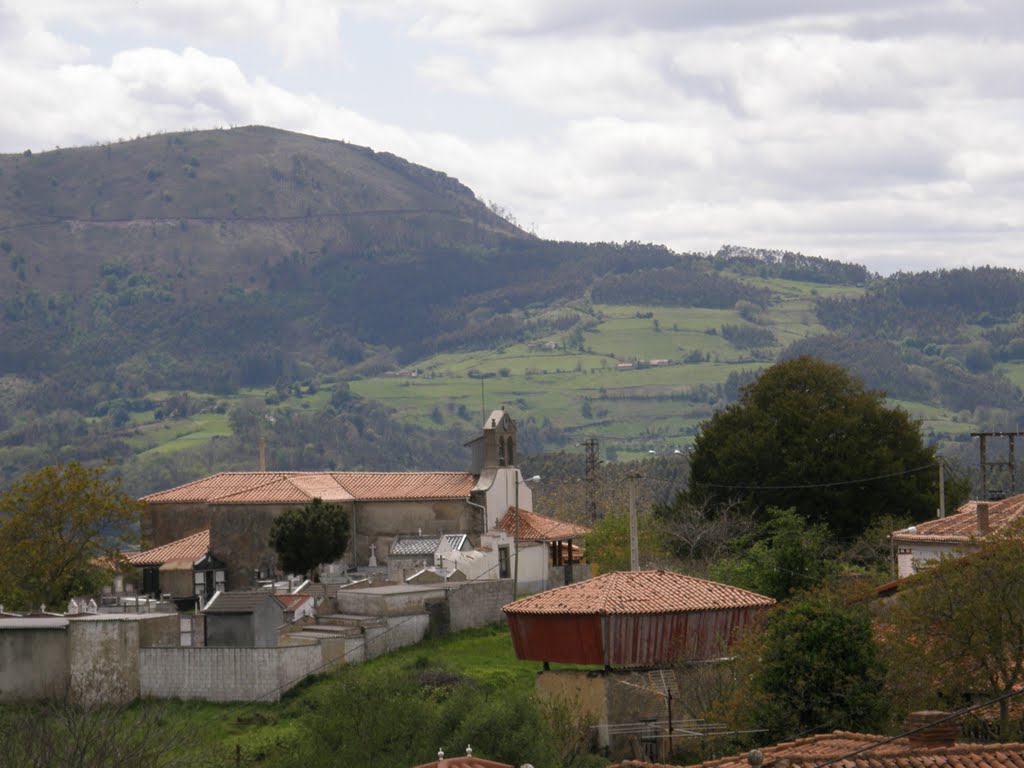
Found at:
[927, 733]
[982, 518]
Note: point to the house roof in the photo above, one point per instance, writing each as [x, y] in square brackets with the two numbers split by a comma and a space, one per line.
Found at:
[963, 525]
[639, 592]
[464, 762]
[303, 487]
[536, 527]
[240, 602]
[901, 753]
[190, 548]
[416, 546]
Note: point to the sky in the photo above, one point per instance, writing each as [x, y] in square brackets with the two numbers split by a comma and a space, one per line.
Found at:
[889, 133]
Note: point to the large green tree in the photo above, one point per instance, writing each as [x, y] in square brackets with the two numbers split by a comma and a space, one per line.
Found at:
[58, 528]
[806, 434]
[304, 538]
[960, 624]
[814, 667]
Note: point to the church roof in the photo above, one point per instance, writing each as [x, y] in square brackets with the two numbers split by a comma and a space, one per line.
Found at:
[303, 487]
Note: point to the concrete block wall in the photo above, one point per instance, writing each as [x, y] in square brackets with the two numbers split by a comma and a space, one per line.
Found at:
[478, 603]
[225, 674]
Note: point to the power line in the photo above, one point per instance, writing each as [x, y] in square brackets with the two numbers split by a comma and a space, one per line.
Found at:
[818, 485]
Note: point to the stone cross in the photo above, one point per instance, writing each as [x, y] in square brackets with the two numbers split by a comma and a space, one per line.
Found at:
[373, 556]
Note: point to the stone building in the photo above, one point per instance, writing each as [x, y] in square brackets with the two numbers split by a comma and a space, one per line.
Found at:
[238, 508]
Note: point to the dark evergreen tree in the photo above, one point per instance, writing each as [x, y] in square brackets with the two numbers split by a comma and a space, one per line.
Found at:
[305, 538]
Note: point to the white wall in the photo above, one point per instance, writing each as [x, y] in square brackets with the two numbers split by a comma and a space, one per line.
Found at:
[502, 495]
[911, 556]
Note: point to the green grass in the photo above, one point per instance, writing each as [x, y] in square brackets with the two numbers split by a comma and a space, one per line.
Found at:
[183, 434]
[263, 733]
[633, 410]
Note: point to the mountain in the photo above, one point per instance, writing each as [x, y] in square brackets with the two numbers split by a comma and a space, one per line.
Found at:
[166, 302]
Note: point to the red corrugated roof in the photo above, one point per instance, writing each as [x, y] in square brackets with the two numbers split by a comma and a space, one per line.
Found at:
[189, 548]
[536, 527]
[303, 487]
[814, 750]
[632, 592]
[963, 525]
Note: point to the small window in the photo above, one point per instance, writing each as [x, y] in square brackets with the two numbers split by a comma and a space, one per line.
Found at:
[503, 563]
[501, 452]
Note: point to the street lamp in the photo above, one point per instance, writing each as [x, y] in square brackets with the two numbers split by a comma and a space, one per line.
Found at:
[515, 532]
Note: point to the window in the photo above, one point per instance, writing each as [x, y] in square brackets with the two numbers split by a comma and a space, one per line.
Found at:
[503, 563]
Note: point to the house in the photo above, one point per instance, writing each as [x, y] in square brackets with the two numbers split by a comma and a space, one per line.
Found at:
[238, 508]
[926, 743]
[951, 535]
[637, 628]
[547, 556]
[243, 619]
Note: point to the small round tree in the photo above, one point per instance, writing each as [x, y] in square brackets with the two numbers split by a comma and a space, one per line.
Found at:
[304, 538]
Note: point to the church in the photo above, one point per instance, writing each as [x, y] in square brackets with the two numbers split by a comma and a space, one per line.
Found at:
[237, 510]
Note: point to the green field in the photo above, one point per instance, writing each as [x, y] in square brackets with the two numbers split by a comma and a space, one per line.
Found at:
[583, 387]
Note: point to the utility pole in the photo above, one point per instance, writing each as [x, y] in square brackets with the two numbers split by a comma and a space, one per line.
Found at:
[634, 544]
[1010, 463]
[590, 477]
[942, 487]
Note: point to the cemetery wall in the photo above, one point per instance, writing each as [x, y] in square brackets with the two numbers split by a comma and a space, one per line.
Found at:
[227, 674]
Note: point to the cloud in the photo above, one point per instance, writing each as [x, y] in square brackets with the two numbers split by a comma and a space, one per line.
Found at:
[883, 131]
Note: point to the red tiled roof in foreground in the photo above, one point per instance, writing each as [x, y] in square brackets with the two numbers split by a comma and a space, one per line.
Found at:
[901, 753]
[464, 762]
[535, 527]
[303, 487]
[963, 525]
[635, 592]
[189, 548]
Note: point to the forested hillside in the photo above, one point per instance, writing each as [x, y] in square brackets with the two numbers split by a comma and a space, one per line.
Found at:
[165, 302]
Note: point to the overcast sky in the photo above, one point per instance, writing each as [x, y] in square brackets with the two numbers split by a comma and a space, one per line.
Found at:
[885, 132]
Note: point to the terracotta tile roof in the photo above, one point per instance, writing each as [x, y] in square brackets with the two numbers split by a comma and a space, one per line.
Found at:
[303, 487]
[240, 602]
[380, 486]
[963, 525]
[537, 527]
[291, 602]
[189, 548]
[901, 753]
[464, 762]
[639, 592]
